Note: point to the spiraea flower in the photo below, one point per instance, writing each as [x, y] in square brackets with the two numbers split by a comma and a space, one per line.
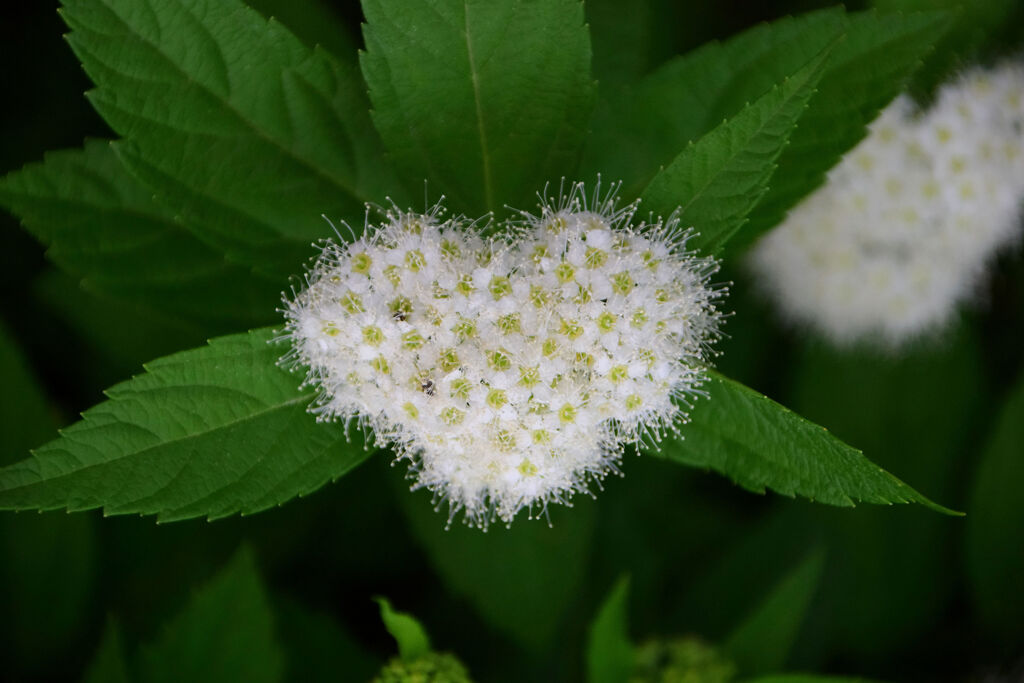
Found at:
[510, 370]
[907, 222]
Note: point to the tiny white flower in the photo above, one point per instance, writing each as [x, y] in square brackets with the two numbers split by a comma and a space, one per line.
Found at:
[903, 229]
[510, 372]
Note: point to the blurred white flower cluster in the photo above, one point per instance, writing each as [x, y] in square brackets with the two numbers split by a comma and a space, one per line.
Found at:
[510, 371]
[903, 229]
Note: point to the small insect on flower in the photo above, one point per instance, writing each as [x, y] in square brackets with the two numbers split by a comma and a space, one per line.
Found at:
[512, 370]
[903, 230]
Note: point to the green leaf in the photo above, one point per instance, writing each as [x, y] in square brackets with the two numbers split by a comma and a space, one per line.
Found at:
[48, 559]
[486, 99]
[995, 525]
[244, 131]
[521, 579]
[760, 444]
[315, 22]
[101, 226]
[410, 635]
[318, 649]
[642, 128]
[761, 643]
[974, 27]
[108, 665]
[207, 432]
[919, 414]
[718, 180]
[867, 70]
[224, 633]
[610, 656]
[25, 418]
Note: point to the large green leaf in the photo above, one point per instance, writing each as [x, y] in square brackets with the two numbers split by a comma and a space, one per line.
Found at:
[521, 579]
[995, 528]
[762, 641]
[642, 128]
[610, 655]
[486, 99]
[719, 179]
[235, 124]
[102, 227]
[224, 633]
[759, 444]
[868, 69]
[207, 432]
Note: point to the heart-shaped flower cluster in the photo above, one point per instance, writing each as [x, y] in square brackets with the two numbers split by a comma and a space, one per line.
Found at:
[909, 219]
[509, 370]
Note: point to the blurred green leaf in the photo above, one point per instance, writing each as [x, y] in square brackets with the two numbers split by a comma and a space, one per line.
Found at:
[47, 559]
[25, 417]
[521, 579]
[610, 656]
[485, 99]
[109, 664]
[224, 633]
[916, 414]
[807, 678]
[247, 133]
[113, 338]
[211, 431]
[975, 24]
[995, 525]
[716, 181]
[101, 226]
[317, 649]
[761, 643]
[866, 71]
[410, 635]
[760, 444]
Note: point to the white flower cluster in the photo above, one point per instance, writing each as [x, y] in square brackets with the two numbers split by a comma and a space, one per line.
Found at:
[510, 371]
[903, 229]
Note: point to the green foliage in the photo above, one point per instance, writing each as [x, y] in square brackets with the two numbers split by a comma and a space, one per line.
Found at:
[247, 133]
[610, 656]
[976, 26]
[867, 70]
[995, 524]
[759, 444]
[762, 641]
[103, 227]
[429, 668]
[682, 660]
[519, 579]
[109, 664]
[224, 633]
[643, 128]
[807, 678]
[485, 100]
[317, 648]
[716, 181]
[47, 559]
[25, 417]
[208, 432]
[410, 635]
